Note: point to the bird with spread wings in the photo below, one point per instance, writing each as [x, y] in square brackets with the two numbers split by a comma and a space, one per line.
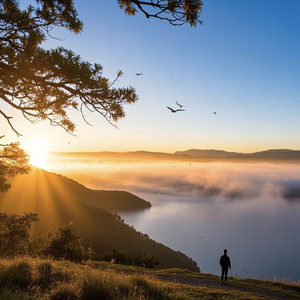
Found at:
[175, 110]
[180, 105]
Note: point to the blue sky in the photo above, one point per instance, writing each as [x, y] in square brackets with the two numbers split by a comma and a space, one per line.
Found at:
[243, 63]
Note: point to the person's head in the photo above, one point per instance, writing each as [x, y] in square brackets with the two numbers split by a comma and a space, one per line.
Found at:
[225, 251]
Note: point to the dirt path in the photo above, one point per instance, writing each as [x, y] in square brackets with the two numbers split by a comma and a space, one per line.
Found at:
[212, 283]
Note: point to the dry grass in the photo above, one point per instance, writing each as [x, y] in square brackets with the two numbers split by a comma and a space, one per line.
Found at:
[61, 280]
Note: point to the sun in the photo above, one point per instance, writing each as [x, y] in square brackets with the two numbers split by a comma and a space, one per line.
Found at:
[38, 153]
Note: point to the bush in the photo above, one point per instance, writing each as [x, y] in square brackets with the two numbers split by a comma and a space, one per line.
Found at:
[18, 275]
[124, 258]
[64, 292]
[6, 294]
[66, 244]
[94, 288]
[119, 257]
[149, 289]
[46, 273]
[150, 261]
[15, 235]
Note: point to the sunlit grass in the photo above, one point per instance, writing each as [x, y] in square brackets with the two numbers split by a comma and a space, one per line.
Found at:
[56, 280]
[287, 280]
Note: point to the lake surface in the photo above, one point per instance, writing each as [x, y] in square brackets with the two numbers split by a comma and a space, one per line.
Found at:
[252, 210]
[262, 241]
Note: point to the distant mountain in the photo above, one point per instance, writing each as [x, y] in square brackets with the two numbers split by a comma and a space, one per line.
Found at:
[272, 155]
[58, 200]
[207, 153]
[276, 154]
[280, 155]
[141, 155]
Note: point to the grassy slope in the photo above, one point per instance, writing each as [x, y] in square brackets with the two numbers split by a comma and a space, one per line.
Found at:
[45, 279]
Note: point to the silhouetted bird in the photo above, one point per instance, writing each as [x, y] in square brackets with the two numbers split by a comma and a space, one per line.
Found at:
[138, 74]
[181, 106]
[174, 110]
[215, 112]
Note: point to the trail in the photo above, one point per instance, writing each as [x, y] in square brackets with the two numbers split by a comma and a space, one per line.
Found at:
[216, 284]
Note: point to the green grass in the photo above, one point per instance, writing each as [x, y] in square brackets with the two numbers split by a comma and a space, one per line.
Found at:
[62, 280]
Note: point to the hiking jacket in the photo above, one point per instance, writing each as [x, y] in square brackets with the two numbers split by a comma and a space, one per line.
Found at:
[225, 261]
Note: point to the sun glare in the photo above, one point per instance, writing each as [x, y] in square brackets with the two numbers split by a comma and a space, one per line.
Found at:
[38, 153]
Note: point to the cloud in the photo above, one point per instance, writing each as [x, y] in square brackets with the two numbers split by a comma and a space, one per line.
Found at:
[223, 181]
[290, 190]
[204, 181]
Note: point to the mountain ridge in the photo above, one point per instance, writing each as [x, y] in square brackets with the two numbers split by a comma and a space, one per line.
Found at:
[281, 155]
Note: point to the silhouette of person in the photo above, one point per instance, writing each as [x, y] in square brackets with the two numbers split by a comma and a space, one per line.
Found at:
[225, 264]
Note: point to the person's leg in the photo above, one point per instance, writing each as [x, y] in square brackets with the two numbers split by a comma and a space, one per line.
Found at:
[225, 272]
[222, 276]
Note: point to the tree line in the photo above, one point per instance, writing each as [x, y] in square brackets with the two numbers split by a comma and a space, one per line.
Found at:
[65, 243]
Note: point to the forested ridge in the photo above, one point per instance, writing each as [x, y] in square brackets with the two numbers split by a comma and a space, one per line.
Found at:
[59, 186]
[52, 197]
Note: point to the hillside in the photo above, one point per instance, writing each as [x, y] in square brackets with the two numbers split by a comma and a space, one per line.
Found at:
[58, 186]
[57, 200]
[47, 279]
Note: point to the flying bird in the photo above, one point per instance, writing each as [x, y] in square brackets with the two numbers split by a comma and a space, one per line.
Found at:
[174, 110]
[215, 112]
[179, 104]
[138, 74]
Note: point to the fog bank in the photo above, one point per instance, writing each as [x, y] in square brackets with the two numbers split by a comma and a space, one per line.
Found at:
[205, 181]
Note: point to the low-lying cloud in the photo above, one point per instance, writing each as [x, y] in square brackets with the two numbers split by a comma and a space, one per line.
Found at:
[202, 180]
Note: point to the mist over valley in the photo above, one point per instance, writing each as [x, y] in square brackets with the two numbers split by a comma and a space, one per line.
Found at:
[192, 202]
[206, 174]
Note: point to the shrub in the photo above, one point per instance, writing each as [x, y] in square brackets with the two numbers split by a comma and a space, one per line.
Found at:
[150, 261]
[124, 258]
[6, 294]
[64, 292]
[19, 274]
[148, 288]
[66, 244]
[15, 235]
[94, 288]
[46, 273]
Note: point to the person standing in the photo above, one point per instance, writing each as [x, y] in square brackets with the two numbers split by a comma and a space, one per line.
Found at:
[225, 264]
